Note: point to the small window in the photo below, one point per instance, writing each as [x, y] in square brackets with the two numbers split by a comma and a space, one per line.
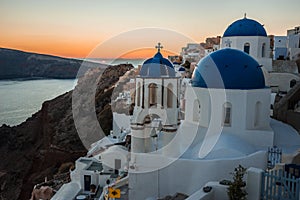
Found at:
[117, 165]
[257, 115]
[293, 83]
[138, 95]
[227, 114]
[263, 49]
[170, 96]
[152, 94]
[196, 111]
[247, 48]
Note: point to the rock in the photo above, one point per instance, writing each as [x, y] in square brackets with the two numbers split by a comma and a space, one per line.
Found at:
[37, 148]
[42, 193]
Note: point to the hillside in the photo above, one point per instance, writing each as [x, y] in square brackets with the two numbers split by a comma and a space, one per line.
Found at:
[38, 147]
[20, 64]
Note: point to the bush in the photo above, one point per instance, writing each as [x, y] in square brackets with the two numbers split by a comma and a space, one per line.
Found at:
[236, 191]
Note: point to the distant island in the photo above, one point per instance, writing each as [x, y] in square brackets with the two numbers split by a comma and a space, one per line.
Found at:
[16, 64]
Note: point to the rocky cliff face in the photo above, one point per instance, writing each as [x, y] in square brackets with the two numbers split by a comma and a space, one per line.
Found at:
[285, 107]
[37, 148]
[19, 64]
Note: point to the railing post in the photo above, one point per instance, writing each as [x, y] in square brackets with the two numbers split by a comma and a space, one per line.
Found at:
[298, 189]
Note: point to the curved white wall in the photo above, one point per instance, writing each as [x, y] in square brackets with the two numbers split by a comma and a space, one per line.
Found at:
[244, 114]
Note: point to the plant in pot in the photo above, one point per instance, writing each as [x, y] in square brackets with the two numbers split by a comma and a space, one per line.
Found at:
[236, 190]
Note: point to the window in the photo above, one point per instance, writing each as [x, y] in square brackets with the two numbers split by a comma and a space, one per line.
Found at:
[138, 97]
[293, 83]
[257, 114]
[196, 111]
[117, 165]
[227, 114]
[152, 94]
[170, 95]
[263, 49]
[247, 48]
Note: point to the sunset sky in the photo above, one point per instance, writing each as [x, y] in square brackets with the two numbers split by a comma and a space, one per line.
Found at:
[74, 28]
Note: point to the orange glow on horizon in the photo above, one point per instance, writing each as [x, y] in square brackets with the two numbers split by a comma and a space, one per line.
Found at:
[50, 48]
[82, 51]
[146, 53]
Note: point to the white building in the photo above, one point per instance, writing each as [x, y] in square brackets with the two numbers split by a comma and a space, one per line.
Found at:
[293, 43]
[226, 123]
[288, 47]
[280, 48]
[192, 52]
[210, 50]
[249, 36]
[226, 109]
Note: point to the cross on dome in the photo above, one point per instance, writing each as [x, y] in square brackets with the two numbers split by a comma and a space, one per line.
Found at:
[159, 47]
[245, 15]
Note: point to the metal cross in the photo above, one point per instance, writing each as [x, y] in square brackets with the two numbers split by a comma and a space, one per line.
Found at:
[159, 47]
[228, 43]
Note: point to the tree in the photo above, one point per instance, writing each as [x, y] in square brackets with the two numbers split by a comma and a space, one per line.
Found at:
[236, 190]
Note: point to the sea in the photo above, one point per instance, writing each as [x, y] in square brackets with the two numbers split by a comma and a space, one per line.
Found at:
[20, 98]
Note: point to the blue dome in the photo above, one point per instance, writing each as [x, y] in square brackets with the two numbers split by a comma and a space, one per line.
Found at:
[245, 27]
[230, 69]
[157, 66]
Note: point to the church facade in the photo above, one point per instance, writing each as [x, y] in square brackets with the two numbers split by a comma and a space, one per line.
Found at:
[227, 122]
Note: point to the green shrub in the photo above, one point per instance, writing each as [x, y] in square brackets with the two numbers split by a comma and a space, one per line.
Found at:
[236, 190]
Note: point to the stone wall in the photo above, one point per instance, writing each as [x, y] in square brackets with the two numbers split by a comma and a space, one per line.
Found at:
[289, 66]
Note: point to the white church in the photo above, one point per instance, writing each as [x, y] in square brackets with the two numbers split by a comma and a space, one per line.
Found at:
[251, 37]
[226, 123]
[184, 138]
[227, 118]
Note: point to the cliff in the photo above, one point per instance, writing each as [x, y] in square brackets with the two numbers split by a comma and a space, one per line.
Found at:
[38, 147]
[20, 64]
[286, 108]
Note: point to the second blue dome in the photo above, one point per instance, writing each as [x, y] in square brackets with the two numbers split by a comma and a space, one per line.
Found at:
[245, 27]
[229, 69]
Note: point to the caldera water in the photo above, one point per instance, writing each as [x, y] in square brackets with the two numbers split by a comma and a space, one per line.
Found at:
[19, 99]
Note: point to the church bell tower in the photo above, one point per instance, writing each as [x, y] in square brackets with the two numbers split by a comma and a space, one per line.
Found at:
[155, 117]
